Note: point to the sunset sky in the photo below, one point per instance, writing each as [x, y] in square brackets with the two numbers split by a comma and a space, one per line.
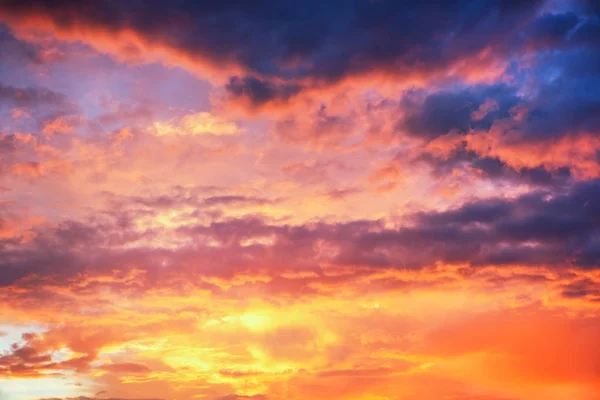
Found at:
[315, 199]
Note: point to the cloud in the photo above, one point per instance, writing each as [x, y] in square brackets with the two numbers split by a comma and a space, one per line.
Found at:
[97, 398]
[37, 109]
[537, 229]
[275, 42]
[30, 96]
[232, 201]
[242, 397]
[582, 288]
[34, 359]
[405, 207]
[257, 92]
[446, 112]
[21, 51]
[496, 169]
[550, 30]
[126, 368]
[197, 124]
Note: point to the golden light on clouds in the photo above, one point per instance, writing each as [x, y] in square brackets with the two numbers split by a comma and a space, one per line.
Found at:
[202, 123]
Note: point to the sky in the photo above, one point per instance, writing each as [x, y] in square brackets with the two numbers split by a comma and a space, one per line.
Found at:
[273, 200]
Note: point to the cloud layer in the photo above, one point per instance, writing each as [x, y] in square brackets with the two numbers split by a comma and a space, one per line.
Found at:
[281, 200]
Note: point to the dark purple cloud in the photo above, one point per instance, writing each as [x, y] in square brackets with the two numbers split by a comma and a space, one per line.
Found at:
[289, 40]
[259, 92]
[443, 112]
[494, 168]
[539, 228]
[30, 96]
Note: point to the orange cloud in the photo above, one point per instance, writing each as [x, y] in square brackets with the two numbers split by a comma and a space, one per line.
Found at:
[58, 125]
